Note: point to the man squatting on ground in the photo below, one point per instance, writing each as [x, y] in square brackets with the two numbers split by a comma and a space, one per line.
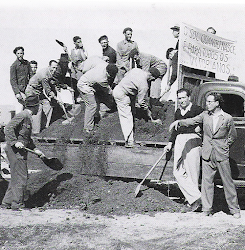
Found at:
[187, 150]
[39, 85]
[19, 75]
[18, 135]
[94, 88]
[219, 133]
[134, 84]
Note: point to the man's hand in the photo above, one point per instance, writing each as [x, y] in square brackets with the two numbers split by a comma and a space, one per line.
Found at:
[19, 145]
[168, 147]
[174, 125]
[39, 153]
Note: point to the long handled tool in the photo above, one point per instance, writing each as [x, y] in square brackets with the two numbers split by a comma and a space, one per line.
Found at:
[138, 187]
[53, 163]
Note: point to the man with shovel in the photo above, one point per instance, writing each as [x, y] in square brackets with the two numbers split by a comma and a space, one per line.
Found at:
[39, 85]
[187, 150]
[18, 135]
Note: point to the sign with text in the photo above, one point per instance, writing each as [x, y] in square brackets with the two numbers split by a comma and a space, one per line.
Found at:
[202, 50]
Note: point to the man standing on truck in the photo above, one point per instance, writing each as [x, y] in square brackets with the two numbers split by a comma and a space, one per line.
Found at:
[135, 84]
[219, 133]
[187, 145]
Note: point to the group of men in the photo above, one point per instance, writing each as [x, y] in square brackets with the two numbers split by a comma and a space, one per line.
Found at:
[208, 134]
[112, 79]
[120, 79]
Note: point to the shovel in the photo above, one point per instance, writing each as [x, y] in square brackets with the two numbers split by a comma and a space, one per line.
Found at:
[138, 187]
[53, 163]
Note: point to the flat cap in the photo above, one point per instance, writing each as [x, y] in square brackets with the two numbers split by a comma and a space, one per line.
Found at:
[175, 27]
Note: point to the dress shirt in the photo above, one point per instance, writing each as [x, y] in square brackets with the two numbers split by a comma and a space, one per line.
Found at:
[184, 111]
[215, 117]
[123, 49]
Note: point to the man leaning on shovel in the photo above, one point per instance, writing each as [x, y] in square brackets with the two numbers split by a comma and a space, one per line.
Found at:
[18, 135]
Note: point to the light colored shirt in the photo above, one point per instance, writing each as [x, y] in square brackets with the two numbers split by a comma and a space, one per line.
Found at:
[91, 62]
[97, 75]
[39, 82]
[215, 117]
[184, 111]
[135, 83]
[123, 49]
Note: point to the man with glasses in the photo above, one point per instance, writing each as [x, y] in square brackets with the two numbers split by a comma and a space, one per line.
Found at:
[218, 135]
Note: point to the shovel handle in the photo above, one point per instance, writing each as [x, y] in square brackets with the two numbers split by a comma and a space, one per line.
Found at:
[31, 151]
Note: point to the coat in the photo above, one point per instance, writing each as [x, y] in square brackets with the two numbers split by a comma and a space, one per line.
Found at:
[218, 141]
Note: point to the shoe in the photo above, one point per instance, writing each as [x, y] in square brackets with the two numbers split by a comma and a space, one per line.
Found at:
[237, 215]
[207, 213]
[5, 206]
[195, 205]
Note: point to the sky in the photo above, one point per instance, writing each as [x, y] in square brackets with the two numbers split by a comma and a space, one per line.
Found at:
[36, 24]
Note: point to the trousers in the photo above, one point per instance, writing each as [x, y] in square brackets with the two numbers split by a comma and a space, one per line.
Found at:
[14, 195]
[187, 153]
[124, 106]
[209, 168]
[47, 109]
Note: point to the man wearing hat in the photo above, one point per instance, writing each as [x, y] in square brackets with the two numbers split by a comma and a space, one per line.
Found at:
[134, 84]
[176, 30]
[94, 88]
[18, 135]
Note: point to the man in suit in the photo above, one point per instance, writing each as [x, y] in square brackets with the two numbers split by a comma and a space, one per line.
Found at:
[218, 135]
[187, 150]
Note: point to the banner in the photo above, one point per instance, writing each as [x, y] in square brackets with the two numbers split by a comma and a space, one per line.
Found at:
[202, 50]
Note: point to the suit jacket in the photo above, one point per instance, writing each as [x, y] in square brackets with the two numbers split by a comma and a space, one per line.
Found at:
[218, 141]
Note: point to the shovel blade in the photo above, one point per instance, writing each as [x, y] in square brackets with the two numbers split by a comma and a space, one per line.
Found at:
[137, 190]
[53, 163]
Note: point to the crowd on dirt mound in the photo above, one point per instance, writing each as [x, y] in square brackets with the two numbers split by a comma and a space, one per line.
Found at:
[122, 80]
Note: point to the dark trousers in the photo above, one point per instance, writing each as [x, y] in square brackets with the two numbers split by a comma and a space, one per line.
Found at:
[19, 174]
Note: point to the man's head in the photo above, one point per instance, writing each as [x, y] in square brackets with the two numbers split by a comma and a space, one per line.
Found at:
[134, 54]
[103, 40]
[78, 42]
[214, 101]
[19, 52]
[53, 65]
[211, 30]
[33, 65]
[32, 103]
[111, 70]
[128, 33]
[183, 97]
[170, 53]
[175, 30]
[153, 74]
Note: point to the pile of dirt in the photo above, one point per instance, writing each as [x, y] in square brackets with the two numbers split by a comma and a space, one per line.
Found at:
[70, 189]
[108, 128]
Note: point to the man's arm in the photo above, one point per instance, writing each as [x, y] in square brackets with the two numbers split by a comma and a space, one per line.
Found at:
[232, 133]
[13, 79]
[187, 122]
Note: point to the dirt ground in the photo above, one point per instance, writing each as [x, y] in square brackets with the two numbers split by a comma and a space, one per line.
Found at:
[70, 210]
